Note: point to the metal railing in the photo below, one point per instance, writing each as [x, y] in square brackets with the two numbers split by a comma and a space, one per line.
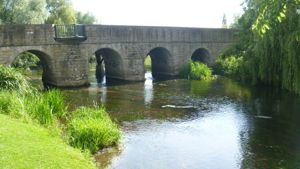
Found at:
[74, 31]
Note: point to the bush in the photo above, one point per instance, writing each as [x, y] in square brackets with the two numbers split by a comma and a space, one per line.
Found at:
[92, 129]
[200, 71]
[196, 71]
[229, 66]
[12, 80]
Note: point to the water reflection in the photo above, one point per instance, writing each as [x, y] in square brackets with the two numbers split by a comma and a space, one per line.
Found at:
[224, 129]
[210, 141]
[148, 89]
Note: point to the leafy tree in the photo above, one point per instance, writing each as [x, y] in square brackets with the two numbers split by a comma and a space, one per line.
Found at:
[271, 13]
[269, 43]
[85, 18]
[22, 11]
[61, 12]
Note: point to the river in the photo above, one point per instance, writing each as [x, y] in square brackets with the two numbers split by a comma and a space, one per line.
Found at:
[220, 124]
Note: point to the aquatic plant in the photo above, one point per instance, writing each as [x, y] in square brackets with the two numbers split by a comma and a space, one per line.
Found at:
[92, 129]
[196, 71]
[200, 71]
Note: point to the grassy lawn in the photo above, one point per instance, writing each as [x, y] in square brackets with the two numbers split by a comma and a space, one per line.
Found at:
[25, 145]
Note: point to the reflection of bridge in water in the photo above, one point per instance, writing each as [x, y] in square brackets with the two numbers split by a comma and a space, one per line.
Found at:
[123, 49]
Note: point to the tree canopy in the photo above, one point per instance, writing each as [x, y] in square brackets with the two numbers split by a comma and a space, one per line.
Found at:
[42, 11]
[269, 43]
[22, 11]
[61, 12]
[85, 18]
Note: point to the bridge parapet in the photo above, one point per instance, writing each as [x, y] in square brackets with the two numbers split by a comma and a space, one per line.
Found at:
[26, 35]
[147, 34]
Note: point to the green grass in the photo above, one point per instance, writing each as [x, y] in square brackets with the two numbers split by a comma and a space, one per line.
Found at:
[44, 108]
[92, 129]
[34, 137]
[12, 104]
[13, 80]
[24, 145]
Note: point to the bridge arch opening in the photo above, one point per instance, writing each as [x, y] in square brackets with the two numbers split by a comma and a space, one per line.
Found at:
[109, 65]
[201, 55]
[36, 63]
[160, 61]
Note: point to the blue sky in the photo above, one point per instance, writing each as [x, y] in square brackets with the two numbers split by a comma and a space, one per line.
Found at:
[184, 13]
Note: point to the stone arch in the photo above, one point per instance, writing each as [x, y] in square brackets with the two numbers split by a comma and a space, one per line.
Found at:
[45, 62]
[201, 55]
[109, 63]
[162, 64]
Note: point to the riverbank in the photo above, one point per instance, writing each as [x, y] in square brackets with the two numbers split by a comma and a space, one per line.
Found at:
[37, 130]
[24, 145]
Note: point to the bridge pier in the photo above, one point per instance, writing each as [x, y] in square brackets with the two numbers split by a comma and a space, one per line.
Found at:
[69, 66]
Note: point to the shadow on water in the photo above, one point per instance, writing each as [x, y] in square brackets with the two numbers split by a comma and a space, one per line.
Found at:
[197, 124]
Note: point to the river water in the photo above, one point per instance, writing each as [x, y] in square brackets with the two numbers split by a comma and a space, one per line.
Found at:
[184, 124]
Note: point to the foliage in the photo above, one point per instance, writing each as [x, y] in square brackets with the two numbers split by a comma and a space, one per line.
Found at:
[229, 66]
[61, 12]
[45, 108]
[12, 80]
[92, 129]
[85, 18]
[22, 11]
[269, 43]
[196, 71]
[12, 104]
[42, 11]
[89, 129]
[271, 13]
[55, 100]
[26, 60]
[25, 145]
[200, 71]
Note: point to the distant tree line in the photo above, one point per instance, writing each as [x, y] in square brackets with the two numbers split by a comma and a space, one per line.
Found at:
[42, 11]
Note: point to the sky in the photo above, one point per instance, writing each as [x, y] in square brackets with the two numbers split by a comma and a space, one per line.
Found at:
[182, 13]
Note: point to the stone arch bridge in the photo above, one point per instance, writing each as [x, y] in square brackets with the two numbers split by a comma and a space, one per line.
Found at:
[123, 49]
